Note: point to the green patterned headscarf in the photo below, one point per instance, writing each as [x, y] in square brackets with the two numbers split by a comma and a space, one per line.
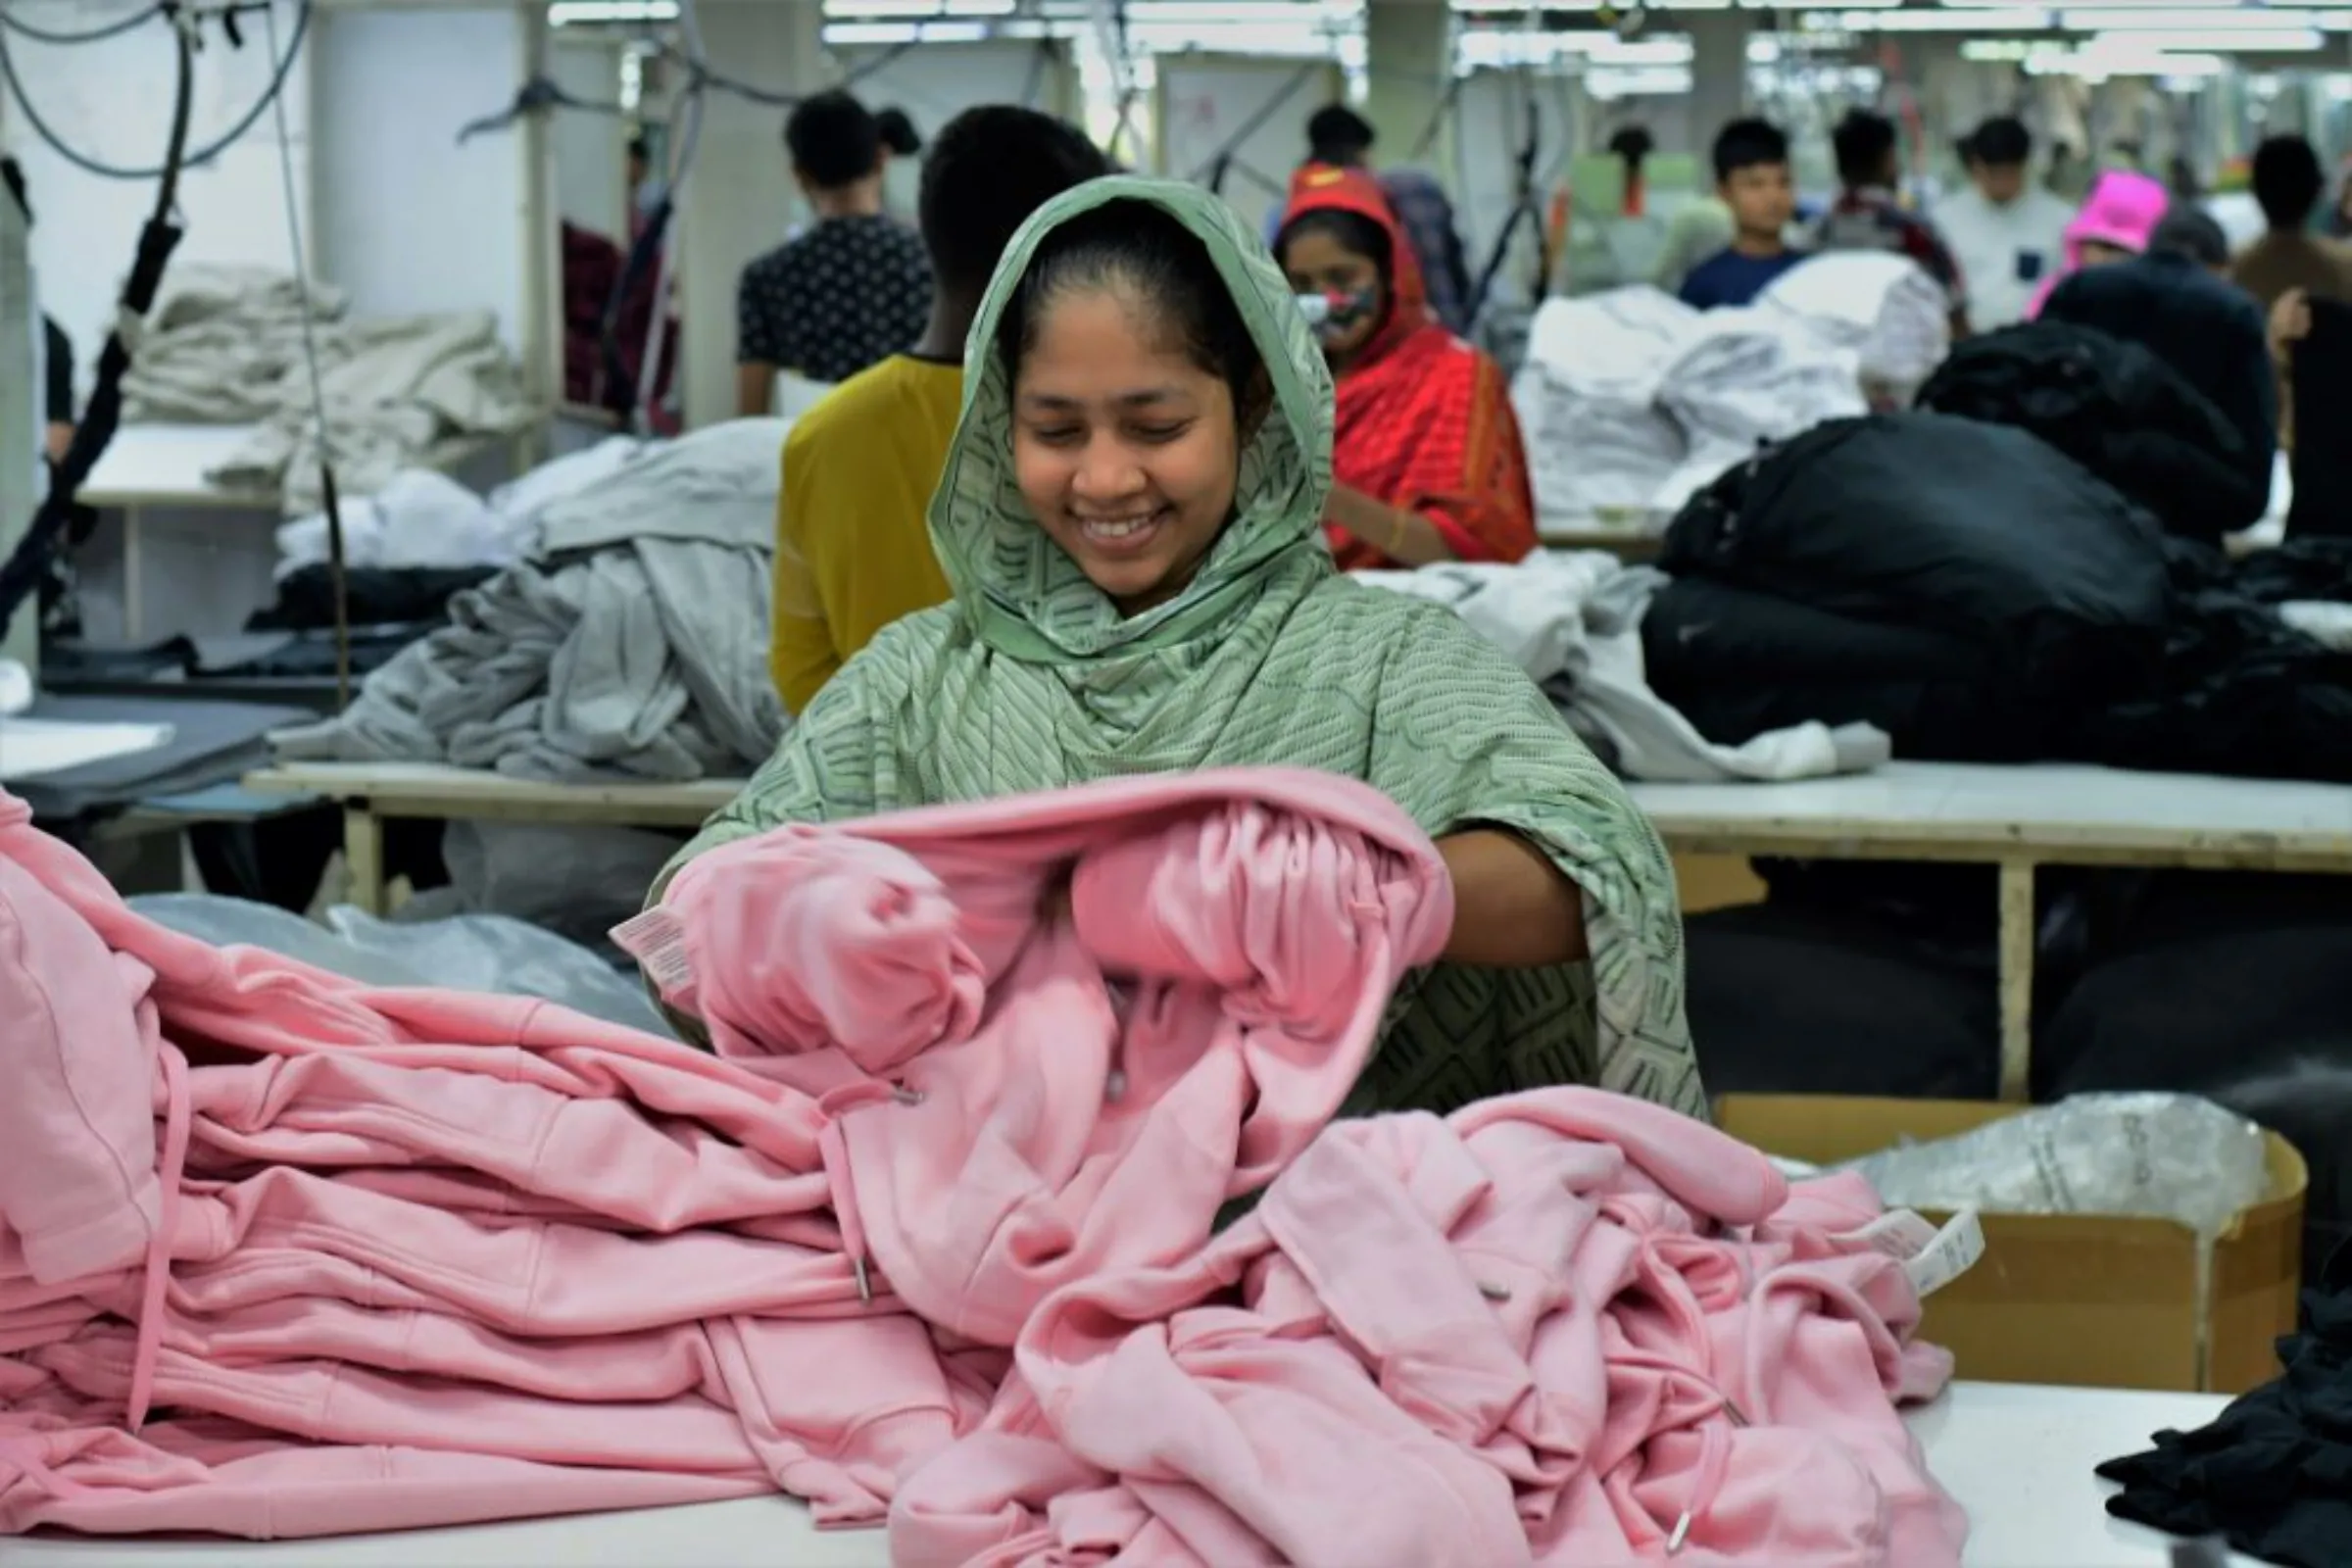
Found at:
[1030, 680]
[1028, 598]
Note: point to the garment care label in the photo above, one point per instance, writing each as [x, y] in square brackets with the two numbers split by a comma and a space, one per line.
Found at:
[655, 939]
[1931, 1258]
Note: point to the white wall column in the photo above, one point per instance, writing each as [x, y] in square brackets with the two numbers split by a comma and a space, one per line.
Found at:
[1718, 74]
[740, 197]
[1408, 60]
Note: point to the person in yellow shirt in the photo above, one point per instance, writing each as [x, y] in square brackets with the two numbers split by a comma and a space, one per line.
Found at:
[852, 546]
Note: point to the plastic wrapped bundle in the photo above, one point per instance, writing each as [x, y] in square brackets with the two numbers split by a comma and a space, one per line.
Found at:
[2160, 1157]
[1883, 307]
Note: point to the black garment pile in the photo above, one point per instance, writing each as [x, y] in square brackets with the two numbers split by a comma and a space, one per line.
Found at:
[1981, 597]
[2322, 388]
[2273, 1474]
[2118, 411]
[1965, 587]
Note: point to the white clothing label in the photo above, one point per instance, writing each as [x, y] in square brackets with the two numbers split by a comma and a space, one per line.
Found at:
[655, 939]
[1931, 1258]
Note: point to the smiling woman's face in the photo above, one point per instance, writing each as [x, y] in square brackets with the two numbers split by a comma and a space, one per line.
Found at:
[1126, 450]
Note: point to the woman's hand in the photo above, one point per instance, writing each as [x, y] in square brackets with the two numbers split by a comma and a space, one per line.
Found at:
[1404, 537]
[1513, 909]
[2291, 323]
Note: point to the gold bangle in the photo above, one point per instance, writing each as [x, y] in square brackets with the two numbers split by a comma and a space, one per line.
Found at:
[1397, 535]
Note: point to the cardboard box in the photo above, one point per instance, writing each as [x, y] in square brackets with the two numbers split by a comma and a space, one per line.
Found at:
[2076, 1298]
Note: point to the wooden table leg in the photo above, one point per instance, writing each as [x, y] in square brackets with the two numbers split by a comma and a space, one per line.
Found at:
[364, 856]
[2017, 979]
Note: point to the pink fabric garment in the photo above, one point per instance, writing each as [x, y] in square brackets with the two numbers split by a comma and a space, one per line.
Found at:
[1561, 1329]
[400, 1258]
[1257, 950]
[2122, 209]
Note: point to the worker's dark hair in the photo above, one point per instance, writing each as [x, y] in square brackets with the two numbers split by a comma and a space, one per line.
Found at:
[989, 170]
[1862, 141]
[640, 150]
[12, 175]
[1145, 256]
[1748, 143]
[834, 140]
[2288, 180]
[897, 133]
[1352, 231]
[2188, 229]
[1338, 134]
[2001, 142]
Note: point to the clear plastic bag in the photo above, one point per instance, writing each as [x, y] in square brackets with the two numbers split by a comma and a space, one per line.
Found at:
[2153, 1155]
[485, 953]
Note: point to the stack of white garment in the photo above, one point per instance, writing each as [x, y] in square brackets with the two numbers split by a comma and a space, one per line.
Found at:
[422, 519]
[1572, 620]
[932, 1235]
[1597, 444]
[1884, 308]
[1630, 401]
[228, 346]
[632, 643]
[1743, 379]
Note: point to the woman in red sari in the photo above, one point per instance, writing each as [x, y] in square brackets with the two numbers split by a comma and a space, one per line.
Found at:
[1426, 457]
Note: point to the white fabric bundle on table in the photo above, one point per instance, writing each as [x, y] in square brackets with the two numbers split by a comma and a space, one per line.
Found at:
[424, 520]
[1631, 401]
[1882, 307]
[1572, 620]
[633, 643]
[1746, 378]
[1597, 443]
[226, 346]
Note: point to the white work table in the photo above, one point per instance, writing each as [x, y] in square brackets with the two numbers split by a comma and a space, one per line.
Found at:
[163, 469]
[2015, 818]
[2018, 1458]
[164, 465]
[374, 793]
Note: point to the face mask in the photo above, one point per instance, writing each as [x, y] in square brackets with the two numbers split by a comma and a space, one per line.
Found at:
[1341, 314]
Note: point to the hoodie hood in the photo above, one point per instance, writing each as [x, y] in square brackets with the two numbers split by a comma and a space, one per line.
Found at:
[1019, 591]
[1326, 188]
[2123, 209]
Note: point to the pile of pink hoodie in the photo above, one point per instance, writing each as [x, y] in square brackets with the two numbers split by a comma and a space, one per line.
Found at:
[282, 1254]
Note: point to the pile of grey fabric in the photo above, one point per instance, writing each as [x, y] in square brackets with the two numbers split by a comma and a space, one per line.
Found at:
[631, 644]
[1572, 620]
[224, 345]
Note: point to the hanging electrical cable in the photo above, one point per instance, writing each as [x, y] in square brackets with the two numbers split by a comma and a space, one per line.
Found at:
[121, 25]
[337, 563]
[283, 69]
[21, 575]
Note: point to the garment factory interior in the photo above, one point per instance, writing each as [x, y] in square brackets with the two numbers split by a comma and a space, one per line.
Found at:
[1356, 783]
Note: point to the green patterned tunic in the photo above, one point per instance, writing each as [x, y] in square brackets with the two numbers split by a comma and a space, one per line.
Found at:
[1031, 680]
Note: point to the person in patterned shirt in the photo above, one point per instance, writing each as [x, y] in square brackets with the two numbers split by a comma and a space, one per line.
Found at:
[1867, 217]
[854, 288]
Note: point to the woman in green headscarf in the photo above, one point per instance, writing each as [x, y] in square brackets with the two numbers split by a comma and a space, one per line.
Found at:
[1131, 520]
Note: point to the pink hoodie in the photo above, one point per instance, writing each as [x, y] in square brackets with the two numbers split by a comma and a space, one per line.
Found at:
[399, 1219]
[1562, 1329]
[2123, 209]
[389, 1258]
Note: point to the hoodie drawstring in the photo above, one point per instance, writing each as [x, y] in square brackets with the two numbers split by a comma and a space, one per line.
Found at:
[148, 1345]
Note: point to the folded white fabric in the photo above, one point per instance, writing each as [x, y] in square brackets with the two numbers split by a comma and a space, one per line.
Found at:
[1883, 307]
[1630, 401]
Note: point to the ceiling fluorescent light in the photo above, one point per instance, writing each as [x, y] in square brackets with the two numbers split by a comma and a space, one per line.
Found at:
[577, 13]
[2011, 20]
[2165, 18]
[2216, 40]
